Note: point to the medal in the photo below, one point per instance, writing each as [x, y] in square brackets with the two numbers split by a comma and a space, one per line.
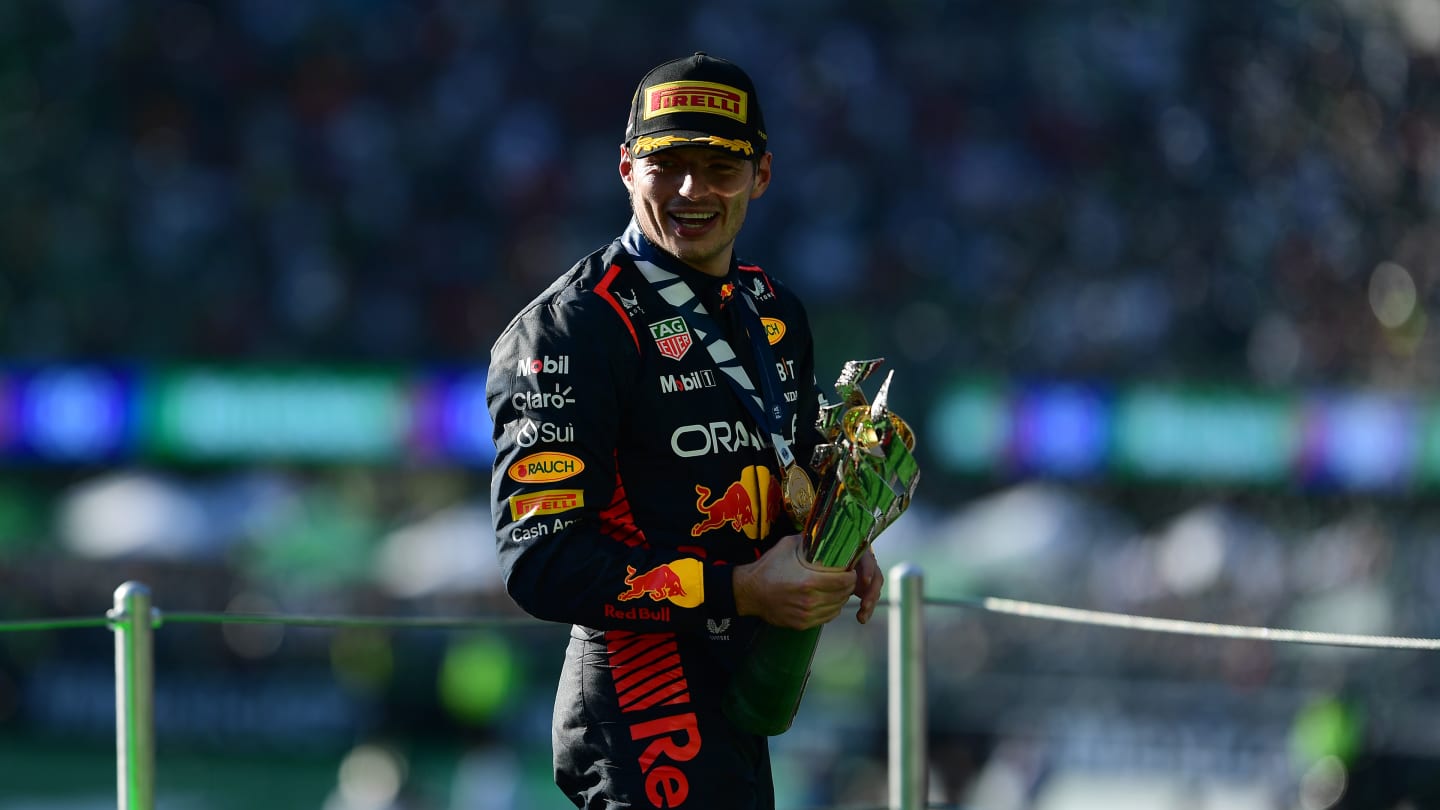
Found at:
[798, 494]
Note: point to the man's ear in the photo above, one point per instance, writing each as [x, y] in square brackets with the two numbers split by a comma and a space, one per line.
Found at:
[627, 169]
[762, 175]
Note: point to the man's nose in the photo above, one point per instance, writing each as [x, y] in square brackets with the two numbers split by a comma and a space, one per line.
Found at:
[694, 183]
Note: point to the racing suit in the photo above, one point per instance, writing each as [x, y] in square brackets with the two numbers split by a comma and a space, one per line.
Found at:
[629, 480]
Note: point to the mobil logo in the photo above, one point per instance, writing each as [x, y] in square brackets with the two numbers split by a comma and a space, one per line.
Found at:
[545, 364]
[704, 378]
[748, 506]
[542, 468]
[681, 582]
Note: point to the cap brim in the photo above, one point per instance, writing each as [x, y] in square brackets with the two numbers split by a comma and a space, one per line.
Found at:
[654, 142]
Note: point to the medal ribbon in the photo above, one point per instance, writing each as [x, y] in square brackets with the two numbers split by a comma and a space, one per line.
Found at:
[768, 411]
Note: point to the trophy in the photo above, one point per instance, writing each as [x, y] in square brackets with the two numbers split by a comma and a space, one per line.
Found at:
[867, 476]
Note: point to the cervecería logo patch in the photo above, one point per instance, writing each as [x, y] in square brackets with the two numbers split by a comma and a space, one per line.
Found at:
[672, 336]
[545, 502]
[702, 97]
[774, 329]
[544, 468]
[681, 582]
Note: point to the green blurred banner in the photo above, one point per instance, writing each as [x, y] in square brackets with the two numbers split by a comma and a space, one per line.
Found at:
[231, 415]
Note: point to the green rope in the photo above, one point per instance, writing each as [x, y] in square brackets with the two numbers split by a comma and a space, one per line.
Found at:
[52, 624]
[259, 618]
[351, 621]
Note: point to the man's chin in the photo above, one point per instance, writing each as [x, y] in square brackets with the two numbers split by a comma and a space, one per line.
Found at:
[696, 256]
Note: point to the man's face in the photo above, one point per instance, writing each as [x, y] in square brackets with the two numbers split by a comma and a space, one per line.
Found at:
[691, 201]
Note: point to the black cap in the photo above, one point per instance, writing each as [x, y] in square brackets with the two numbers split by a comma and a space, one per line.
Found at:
[699, 100]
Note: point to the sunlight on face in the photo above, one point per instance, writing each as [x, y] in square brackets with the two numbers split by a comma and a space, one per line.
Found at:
[691, 201]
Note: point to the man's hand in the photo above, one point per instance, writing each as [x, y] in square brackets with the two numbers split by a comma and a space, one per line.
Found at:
[868, 582]
[782, 590]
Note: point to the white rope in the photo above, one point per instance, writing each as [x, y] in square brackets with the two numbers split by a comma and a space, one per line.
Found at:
[1056, 613]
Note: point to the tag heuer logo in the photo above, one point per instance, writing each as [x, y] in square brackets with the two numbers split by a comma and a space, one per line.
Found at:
[672, 336]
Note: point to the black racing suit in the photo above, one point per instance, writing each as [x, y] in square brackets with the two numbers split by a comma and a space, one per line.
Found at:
[629, 479]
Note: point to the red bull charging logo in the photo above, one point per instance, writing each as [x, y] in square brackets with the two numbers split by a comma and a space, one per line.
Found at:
[747, 506]
[681, 582]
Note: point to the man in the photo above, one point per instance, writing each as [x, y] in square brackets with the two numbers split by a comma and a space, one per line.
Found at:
[646, 408]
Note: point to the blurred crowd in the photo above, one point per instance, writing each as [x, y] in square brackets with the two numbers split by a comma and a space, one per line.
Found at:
[1242, 191]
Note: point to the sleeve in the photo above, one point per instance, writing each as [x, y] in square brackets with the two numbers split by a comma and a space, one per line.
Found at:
[805, 435]
[556, 389]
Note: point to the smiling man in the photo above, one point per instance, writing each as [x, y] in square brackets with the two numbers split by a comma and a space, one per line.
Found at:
[654, 412]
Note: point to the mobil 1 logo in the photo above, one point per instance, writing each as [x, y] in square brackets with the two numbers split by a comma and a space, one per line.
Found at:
[670, 383]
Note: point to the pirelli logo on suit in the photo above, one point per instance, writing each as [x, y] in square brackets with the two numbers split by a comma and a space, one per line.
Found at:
[545, 502]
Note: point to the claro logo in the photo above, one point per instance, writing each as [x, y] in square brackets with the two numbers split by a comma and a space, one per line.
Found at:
[543, 468]
[534, 400]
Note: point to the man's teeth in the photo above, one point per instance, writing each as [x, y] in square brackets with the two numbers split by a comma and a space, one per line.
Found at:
[694, 218]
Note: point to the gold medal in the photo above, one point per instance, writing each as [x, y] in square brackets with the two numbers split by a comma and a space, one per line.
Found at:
[798, 494]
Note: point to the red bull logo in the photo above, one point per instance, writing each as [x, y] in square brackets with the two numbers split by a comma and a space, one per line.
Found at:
[747, 506]
[639, 614]
[681, 582]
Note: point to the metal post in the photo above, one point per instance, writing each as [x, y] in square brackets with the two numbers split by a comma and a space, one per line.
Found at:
[133, 624]
[909, 760]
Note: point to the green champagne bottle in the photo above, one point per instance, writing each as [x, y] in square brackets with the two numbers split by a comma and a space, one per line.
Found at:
[765, 694]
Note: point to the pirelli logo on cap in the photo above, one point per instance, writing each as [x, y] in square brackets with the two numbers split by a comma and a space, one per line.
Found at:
[702, 97]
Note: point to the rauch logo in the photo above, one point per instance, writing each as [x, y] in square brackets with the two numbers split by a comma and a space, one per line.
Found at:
[542, 468]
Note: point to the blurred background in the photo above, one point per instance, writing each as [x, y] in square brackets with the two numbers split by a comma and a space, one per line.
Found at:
[1154, 279]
